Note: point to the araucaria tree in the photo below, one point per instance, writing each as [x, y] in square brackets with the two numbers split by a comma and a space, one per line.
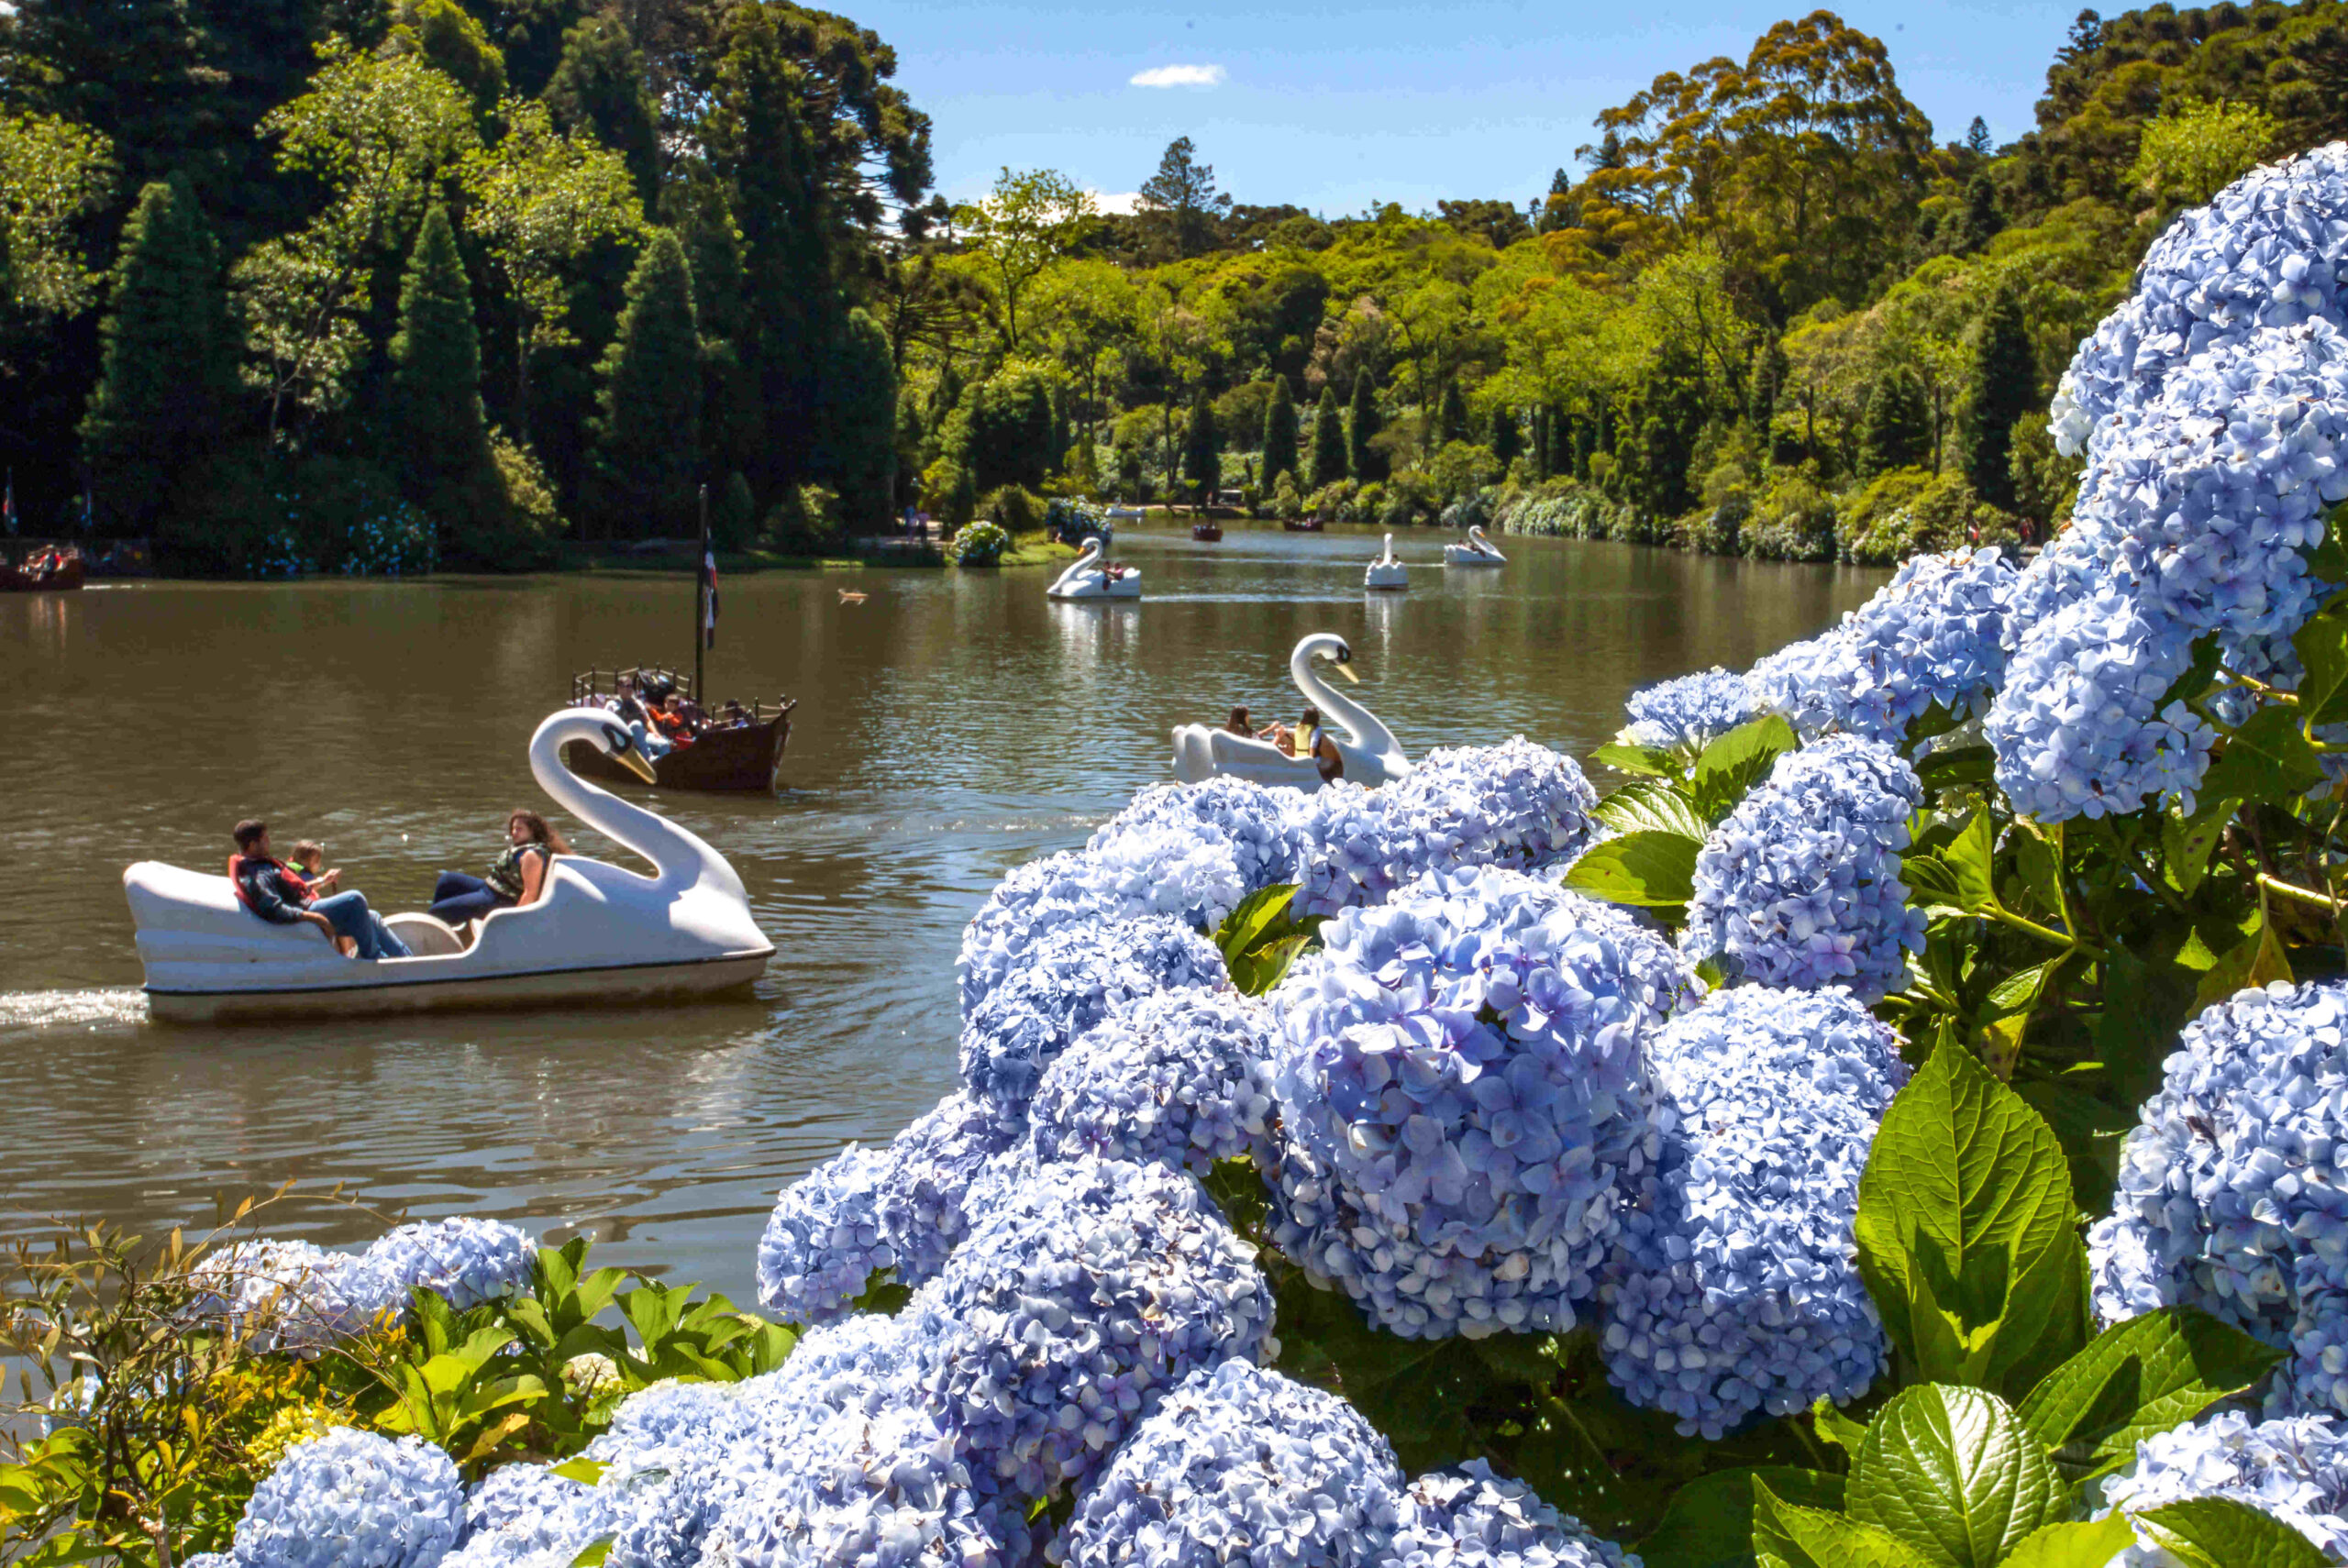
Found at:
[167, 393]
[440, 443]
[1326, 460]
[2004, 387]
[1280, 434]
[647, 427]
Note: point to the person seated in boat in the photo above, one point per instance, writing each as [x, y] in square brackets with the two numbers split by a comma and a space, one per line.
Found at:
[636, 711]
[518, 876]
[675, 725]
[310, 861]
[1307, 740]
[735, 717]
[1240, 724]
[275, 893]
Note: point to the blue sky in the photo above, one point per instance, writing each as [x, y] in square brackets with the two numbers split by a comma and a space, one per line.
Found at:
[1336, 108]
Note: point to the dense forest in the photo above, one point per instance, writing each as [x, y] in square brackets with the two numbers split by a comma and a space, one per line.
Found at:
[350, 284]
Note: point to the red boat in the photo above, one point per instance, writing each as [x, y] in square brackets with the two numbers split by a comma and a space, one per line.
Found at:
[1207, 533]
[46, 570]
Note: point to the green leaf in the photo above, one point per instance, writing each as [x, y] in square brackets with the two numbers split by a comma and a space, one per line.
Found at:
[1957, 765]
[2018, 992]
[584, 1470]
[2266, 759]
[1627, 758]
[2322, 646]
[2199, 674]
[1648, 869]
[593, 1553]
[1731, 765]
[2218, 1532]
[2073, 1545]
[2089, 1129]
[1244, 927]
[1832, 1426]
[1931, 883]
[2257, 960]
[1661, 807]
[1708, 1523]
[1971, 857]
[2327, 559]
[2142, 1377]
[1787, 1535]
[2186, 842]
[1965, 1214]
[1955, 1474]
[2039, 862]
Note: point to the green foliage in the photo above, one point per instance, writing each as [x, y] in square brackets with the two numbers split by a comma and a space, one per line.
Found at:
[53, 174]
[439, 441]
[1451, 416]
[1201, 449]
[2003, 390]
[1363, 461]
[1014, 510]
[1279, 436]
[1324, 463]
[1260, 939]
[1010, 430]
[648, 449]
[600, 82]
[1898, 430]
[2188, 154]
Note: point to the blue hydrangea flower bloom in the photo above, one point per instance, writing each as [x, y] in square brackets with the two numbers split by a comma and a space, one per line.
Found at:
[1359, 849]
[2296, 1469]
[353, 1499]
[1463, 1093]
[2225, 1200]
[1689, 714]
[1181, 1077]
[824, 1239]
[467, 1260]
[1259, 823]
[1809, 683]
[1469, 1518]
[1800, 886]
[1085, 1293]
[294, 1296]
[1067, 984]
[1241, 1466]
[1935, 634]
[1517, 805]
[524, 1515]
[1732, 1290]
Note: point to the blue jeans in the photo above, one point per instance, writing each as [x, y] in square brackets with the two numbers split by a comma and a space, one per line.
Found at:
[353, 919]
[458, 898]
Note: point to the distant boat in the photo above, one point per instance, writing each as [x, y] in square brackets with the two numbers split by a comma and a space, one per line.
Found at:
[738, 757]
[1302, 525]
[1207, 533]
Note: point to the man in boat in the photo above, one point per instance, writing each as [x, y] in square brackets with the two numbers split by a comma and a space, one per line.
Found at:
[265, 885]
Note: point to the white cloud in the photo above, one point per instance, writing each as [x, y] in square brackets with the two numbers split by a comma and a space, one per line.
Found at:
[1116, 201]
[1180, 76]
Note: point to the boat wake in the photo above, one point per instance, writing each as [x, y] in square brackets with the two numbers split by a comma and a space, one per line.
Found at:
[51, 1009]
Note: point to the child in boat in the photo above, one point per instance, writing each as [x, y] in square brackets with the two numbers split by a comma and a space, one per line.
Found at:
[310, 860]
[273, 892]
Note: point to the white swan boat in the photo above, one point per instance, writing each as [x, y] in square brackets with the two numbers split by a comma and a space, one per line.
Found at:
[1371, 754]
[1087, 577]
[599, 933]
[1477, 551]
[1386, 572]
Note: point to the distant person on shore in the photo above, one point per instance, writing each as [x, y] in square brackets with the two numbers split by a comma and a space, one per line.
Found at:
[518, 876]
[267, 887]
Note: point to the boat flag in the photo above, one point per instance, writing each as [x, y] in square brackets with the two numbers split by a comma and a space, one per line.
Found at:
[709, 600]
[8, 507]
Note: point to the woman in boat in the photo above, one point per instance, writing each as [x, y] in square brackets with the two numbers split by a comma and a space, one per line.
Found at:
[518, 876]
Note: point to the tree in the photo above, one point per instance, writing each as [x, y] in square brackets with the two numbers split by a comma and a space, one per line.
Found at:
[445, 35]
[130, 71]
[647, 429]
[1981, 220]
[375, 131]
[1280, 432]
[1977, 138]
[1182, 200]
[2194, 151]
[731, 418]
[1326, 463]
[438, 434]
[1762, 380]
[1011, 430]
[539, 203]
[599, 83]
[52, 175]
[1202, 450]
[1507, 436]
[1896, 431]
[1026, 223]
[854, 412]
[2003, 389]
[167, 390]
[1363, 461]
[1451, 416]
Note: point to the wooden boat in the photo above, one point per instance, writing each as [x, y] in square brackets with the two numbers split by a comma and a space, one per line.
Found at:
[64, 575]
[742, 757]
[1207, 533]
[1302, 525]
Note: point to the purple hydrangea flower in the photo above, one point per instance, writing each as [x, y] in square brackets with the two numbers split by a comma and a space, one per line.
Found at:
[2296, 1469]
[1471, 1518]
[353, 1499]
[1691, 712]
[1181, 1077]
[467, 1261]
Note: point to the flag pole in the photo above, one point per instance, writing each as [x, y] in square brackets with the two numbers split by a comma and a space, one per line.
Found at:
[701, 599]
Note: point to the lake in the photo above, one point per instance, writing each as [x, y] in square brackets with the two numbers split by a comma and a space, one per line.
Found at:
[949, 728]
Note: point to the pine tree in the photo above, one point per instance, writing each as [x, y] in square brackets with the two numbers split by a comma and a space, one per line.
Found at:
[1451, 415]
[600, 82]
[647, 455]
[1201, 450]
[1977, 138]
[1981, 220]
[167, 385]
[1280, 432]
[1507, 438]
[1896, 431]
[1327, 463]
[436, 428]
[1363, 461]
[733, 515]
[2002, 388]
[1762, 378]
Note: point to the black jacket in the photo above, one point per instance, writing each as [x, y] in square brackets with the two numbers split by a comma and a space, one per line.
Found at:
[266, 888]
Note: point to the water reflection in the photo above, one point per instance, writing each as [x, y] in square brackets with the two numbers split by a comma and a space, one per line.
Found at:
[949, 727]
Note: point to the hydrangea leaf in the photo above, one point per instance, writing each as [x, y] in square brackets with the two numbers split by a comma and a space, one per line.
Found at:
[1835, 1427]
[1708, 1523]
[1787, 1535]
[2266, 759]
[1971, 856]
[2142, 1377]
[1652, 868]
[2218, 1532]
[1659, 808]
[2089, 1129]
[1965, 1212]
[2322, 648]
[2257, 960]
[1624, 757]
[1245, 927]
[1957, 765]
[594, 1554]
[1954, 1474]
[1734, 763]
[2073, 1545]
[2186, 842]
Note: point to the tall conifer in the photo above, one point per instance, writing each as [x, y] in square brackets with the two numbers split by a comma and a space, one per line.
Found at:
[1896, 431]
[2004, 387]
[1364, 462]
[647, 429]
[1451, 415]
[167, 384]
[437, 430]
[1279, 432]
[1202, 450]
[1327, 464]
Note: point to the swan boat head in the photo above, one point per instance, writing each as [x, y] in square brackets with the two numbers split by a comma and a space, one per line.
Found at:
[1370, 753]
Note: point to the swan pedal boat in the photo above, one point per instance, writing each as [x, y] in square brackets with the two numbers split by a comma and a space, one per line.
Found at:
[1371, 754]
[600, 933]
[1386, 572]
[1477, 551]
[1086, 578]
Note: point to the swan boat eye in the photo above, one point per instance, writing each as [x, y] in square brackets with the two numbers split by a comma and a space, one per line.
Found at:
[620, 739]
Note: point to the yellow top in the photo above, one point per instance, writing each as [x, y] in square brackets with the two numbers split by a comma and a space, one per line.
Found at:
[1304, 741]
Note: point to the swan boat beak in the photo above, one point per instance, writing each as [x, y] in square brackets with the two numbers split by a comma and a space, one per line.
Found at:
[1346, 670]
[624, 751]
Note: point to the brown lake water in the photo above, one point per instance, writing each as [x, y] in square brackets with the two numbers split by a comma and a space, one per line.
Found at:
[950, 727]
